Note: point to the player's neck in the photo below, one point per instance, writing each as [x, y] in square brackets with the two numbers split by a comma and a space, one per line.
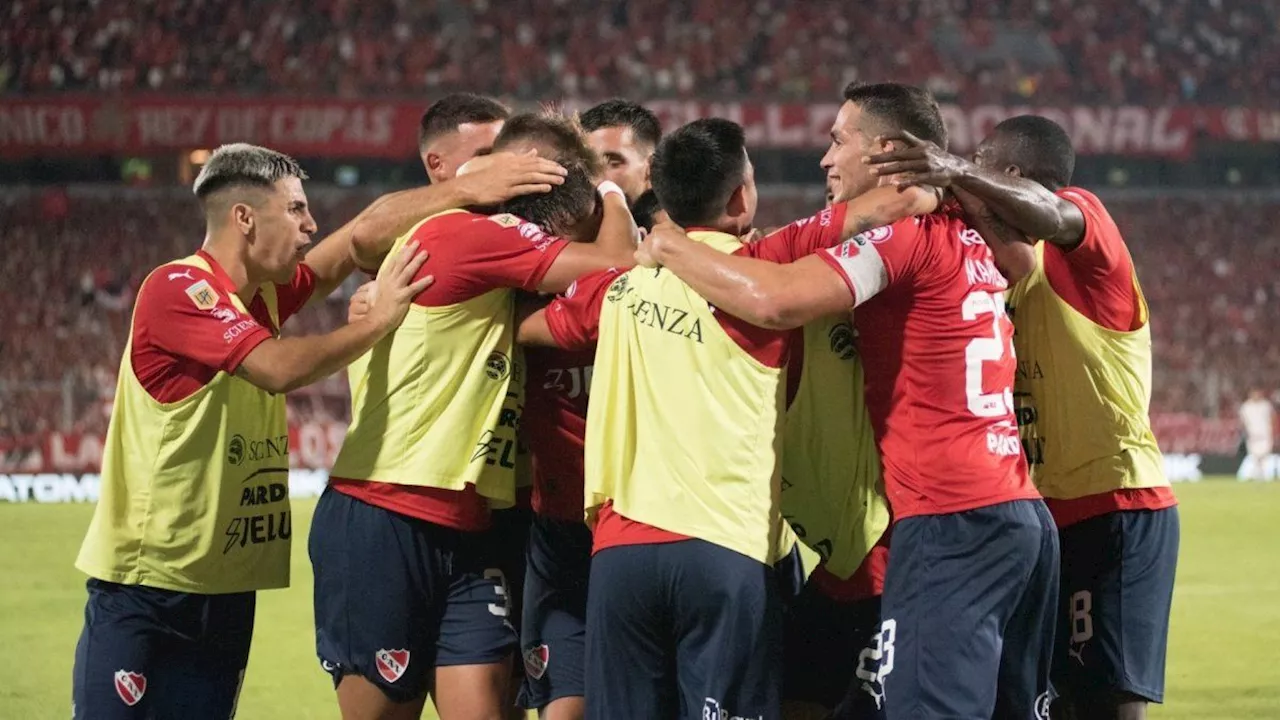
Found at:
[229, 253]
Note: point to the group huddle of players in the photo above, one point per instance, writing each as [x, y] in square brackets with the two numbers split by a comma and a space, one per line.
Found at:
[594, 410]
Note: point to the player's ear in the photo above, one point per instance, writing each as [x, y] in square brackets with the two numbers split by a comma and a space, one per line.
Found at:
[737, 202]
[433, 161]
[242, 215]
[1013, 170]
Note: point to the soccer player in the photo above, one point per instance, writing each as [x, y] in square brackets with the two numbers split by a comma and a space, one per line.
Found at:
[431, 446]
[456, 128]
[625, 135]
[1083, 394]
[1257, 417]
[681, 452]
[972, 576]
[194, 515]
[832, 495]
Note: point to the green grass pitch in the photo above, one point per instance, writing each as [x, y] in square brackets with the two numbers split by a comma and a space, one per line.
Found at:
[1222, 653]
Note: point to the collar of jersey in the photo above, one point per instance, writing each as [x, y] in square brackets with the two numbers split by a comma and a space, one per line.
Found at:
[224, 280]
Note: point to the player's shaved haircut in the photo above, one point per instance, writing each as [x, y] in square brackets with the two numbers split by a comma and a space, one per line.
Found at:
[889, 107]
[446, 114]
[561, 139]
[623, 113]
[241, 172]
[1038, 146]
[697, 168]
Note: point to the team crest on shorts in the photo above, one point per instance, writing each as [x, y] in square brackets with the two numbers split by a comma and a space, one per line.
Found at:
[535, 661]
[130, 686]
[391, 663]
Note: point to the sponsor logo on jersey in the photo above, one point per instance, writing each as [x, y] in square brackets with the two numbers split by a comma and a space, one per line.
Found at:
[130, 686]
[875, 235]
[202, 295]
[235, 450]
[184, 274]
[226, 315]
[535, 661]
[498, 366]
[506, 220]
[391, 664]
[841, 336]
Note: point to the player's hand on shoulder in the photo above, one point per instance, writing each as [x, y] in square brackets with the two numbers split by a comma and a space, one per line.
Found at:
[496, 178]
[395, 288]
[913, 161]
[361, 301]
[650, 252]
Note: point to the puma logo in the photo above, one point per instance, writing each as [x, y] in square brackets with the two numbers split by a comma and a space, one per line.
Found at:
[1077, 653]
[184, 274]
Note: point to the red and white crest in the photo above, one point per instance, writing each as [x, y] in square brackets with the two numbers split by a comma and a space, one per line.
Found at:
[130, 686]
[391, 663]
[535, 661]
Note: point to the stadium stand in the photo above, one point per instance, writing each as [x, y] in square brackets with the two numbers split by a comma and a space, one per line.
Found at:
[1054, 51]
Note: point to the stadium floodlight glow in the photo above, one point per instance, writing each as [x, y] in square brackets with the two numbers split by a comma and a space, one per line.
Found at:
[199, 157]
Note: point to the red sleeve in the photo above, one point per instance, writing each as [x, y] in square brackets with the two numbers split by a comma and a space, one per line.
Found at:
[293, 297]
[574, 317]
[186, 329]
[1096, 276]
[472, 254]
[874, 260]
[802, 237]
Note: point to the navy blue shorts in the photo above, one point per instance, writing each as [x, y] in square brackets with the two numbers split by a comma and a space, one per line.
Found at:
[1113, 616]
[509, 539]
[553, 635]
[968, 612]
[682, 629]
[823, 640]
[146, 652]
[396, 597]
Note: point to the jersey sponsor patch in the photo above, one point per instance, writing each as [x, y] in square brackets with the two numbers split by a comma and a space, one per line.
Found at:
[874, 235]
[535, 661]
[202, 295]
[506, 220]
[391, 664]
[130, 686]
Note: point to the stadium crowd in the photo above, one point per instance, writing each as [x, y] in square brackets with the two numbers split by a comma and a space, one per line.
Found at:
[1050, 51]
[1206, 265]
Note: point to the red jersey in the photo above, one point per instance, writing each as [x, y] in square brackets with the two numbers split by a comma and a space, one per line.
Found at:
[471, 254]
[936, 347]
[574, 321]
[1096, 278]
[177, 347]
[554, 428]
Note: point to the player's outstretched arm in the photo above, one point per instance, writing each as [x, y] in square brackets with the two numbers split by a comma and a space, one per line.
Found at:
[1014, 255]
[614, 247]
[533, 329]
[887, 205]
[280, 365]
[489, 180]
[765, 294]
[1024, 204]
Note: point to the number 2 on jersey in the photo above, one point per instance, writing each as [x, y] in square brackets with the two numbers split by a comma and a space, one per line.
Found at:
[985, 349]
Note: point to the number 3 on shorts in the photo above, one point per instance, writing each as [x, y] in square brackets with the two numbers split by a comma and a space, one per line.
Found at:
[502, 608]
[876, 662]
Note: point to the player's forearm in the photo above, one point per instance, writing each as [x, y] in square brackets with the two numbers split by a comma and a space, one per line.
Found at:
[286, 364]
[617, 235]
[885, 206]
[1026, 205]
[753, 290]
[1014, 255]
[332, 262]
[376, 228]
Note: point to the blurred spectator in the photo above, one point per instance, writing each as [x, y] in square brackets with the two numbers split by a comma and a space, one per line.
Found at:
[1144, 51]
